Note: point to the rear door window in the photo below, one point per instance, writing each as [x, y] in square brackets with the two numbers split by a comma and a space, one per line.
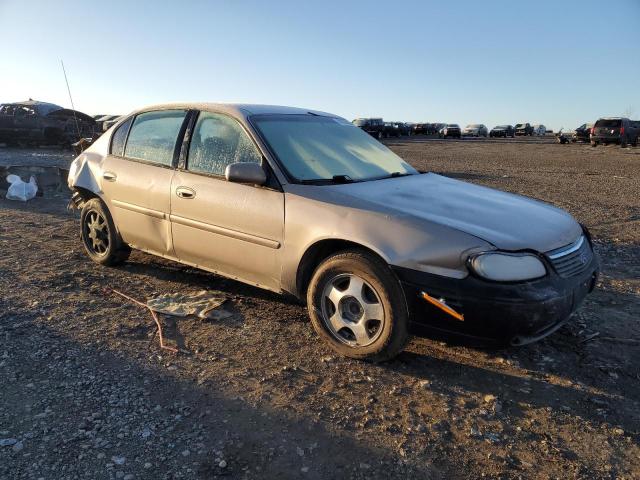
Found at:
[154, 135]
[218, 141]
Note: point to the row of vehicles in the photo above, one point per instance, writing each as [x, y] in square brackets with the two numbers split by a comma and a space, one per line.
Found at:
[378, 128]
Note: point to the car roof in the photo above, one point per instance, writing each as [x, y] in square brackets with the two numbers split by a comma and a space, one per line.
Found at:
[241, 110]
[42, 108]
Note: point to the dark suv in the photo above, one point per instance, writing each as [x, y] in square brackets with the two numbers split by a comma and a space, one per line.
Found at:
[524, 129]
[621, 131]
[450, 130]
[502, 131]
[373, 126]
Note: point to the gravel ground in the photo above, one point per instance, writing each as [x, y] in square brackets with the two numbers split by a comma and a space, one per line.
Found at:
[87, 393]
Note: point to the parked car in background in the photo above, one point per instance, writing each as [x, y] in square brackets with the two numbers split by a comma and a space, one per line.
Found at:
[373, 126]
[451, 130]
[419, 128]
[475, 130]
[41, 123]
[405, 128]
[334, 218]
[523, 129]
[618, 130]
[539, 130]
[104, 122]
[581, 134]
[502, 131]
[391, 129]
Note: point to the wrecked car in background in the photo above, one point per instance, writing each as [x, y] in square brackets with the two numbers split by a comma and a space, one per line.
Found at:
[303, 202]
[40, 123]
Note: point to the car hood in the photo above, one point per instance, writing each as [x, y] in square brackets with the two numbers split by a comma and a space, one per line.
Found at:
[507, 221]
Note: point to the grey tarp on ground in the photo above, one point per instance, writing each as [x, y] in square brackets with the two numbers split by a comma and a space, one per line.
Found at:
[203, 304]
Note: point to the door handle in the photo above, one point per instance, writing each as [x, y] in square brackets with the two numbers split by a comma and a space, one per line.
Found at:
[185, 192]
[109, 176]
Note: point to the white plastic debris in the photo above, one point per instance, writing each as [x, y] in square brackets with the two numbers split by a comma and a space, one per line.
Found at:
[19, 190]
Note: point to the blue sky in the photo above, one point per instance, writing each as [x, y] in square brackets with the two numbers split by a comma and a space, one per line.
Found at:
[560, 63]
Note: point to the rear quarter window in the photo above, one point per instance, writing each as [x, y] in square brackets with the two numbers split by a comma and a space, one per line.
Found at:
[153, 136]
[119, 138]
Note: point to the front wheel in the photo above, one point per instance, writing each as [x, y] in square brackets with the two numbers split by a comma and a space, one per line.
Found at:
[357, 306]
[99, 235]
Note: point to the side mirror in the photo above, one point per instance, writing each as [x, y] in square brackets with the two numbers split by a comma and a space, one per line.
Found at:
[246, 172]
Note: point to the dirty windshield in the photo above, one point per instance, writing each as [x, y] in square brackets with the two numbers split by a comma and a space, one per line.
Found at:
[325, 149]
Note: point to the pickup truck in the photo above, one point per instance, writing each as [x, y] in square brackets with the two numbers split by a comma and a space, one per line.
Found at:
[618, 130]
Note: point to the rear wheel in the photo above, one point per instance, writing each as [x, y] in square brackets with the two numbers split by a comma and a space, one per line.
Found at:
[357, 306]
[99, 235]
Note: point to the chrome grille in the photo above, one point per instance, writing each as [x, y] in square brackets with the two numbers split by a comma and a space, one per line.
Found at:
[573, 259]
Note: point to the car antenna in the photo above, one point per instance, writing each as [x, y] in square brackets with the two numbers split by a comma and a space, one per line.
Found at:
[71, 99]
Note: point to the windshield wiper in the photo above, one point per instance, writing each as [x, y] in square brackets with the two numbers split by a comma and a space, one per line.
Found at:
[342, 179]
[334, 179]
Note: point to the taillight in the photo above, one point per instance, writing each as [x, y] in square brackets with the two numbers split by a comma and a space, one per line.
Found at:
[621, 130]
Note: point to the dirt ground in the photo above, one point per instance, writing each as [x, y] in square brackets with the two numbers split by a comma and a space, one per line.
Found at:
[87, 393]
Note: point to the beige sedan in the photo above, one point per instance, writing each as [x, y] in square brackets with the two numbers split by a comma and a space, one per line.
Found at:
[303, 202]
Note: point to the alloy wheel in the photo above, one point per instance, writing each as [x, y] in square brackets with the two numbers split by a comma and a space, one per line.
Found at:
[96, 232]
[352, 310]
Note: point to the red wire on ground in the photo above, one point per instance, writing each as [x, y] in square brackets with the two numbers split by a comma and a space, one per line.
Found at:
[155, 318]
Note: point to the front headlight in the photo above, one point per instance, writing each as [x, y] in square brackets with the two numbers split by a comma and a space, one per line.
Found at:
[507, 267]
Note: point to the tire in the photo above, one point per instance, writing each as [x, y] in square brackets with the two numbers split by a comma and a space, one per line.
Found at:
[356, 330]
[99, 236]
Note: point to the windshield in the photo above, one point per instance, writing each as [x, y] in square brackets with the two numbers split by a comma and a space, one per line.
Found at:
[475, 125]
[501, 127]
[360, 122]
[317, 148]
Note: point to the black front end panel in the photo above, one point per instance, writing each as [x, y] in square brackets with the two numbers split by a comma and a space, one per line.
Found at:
[514, 313]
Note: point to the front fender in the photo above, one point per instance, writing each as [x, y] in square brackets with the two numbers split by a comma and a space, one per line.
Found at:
[400, 241]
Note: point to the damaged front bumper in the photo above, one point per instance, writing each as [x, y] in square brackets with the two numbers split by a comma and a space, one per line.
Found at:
[493, 312]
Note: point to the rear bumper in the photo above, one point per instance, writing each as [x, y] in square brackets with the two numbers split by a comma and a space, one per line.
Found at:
[502, 313]
[605, 139]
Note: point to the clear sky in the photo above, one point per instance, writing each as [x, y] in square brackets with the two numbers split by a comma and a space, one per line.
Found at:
[559, 63]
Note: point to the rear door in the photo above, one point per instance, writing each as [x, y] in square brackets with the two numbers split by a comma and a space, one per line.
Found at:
[231, 228]
[137, 178]
[608, 128]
